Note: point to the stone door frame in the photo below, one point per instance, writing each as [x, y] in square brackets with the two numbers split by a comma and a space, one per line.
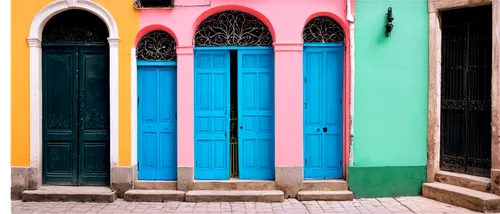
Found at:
[434, 105]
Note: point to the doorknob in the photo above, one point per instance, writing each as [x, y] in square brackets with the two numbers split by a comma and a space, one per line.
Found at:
[324, 129]
[241, 127]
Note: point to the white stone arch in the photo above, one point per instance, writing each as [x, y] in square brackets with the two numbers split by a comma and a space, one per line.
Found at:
[34, 42]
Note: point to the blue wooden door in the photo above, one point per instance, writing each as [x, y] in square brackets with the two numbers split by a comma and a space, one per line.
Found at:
[323, 112]
[157, 135]
[212, 114]
[256, 114]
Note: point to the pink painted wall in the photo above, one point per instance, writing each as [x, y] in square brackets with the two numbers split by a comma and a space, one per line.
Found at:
[286, 20]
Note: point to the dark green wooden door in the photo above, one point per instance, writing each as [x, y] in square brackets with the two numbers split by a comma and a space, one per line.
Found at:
[75, 115]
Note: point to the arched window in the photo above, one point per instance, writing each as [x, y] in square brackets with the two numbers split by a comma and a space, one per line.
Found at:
[323, 29]
[232, 28]
[75, 26]
[156, 45]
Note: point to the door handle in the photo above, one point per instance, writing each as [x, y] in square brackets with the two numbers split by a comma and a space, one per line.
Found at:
[325, 129]
[241, 127]
[317, 130]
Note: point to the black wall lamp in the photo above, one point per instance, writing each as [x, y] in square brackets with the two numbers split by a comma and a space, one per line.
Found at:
[389, 25]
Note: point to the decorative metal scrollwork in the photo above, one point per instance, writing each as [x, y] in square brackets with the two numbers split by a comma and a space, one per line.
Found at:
[75, 26]
[232, 28]
[156, 45]
[323, 29]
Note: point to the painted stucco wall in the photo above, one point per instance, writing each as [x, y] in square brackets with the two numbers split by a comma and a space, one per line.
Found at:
[181, 23]
[390, 113]
[23, 13]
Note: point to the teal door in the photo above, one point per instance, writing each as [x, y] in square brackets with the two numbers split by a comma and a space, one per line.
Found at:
[157, 122]
[75, 115]
[212, 114]
[256, 114]
[323, 66]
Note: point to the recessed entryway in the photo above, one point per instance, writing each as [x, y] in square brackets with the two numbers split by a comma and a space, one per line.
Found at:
[75, 78]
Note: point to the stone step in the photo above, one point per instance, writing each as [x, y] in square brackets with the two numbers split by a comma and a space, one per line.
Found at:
[235, 196]
[70, 193]
[462, 180]
[324, 185]
[460, 196]
[233, 184]
[156, 185]
[325, 196]
[145, 195]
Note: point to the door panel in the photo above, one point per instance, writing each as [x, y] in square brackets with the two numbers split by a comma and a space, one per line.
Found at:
[465, 139]
[157, 123]
[60, 116]
[323, 112]
[75, 115]
[256, 114]
[211, 86]
[94, 116]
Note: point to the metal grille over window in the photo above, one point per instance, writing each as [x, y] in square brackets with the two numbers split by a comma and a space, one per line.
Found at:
[157, 45]
[75, 26]
[233, 28]
[323, 29]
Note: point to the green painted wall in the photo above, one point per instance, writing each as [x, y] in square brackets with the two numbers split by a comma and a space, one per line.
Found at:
[391, 85]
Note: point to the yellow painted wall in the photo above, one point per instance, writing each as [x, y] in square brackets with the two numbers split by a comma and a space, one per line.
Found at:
[22, 14]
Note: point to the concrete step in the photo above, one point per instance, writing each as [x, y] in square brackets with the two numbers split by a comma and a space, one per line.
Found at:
[324, 185]
[235, 195]
[325, 196]
[144, 195]
[70, 193]
[463, 197]
[462, 180]
[234, 184]
[156, 185]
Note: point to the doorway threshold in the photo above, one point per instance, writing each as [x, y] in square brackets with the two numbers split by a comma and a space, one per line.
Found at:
[71, 193]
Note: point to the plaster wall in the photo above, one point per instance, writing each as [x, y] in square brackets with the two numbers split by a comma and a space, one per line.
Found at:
[390, 115]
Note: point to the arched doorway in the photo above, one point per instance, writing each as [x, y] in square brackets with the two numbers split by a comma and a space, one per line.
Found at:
[157, 107]
[323, 84]
[234, 98]
[75, 86]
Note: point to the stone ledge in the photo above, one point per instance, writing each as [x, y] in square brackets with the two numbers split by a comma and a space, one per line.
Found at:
[234, 196]
[463, 180]
[325, 196]
[233, 184]
[154, 195]
[462, 197]
[324, 185]
[70, 193]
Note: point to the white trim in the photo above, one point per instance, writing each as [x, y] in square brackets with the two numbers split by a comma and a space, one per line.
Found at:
[34, 41]
[133, 108]
[350, 18]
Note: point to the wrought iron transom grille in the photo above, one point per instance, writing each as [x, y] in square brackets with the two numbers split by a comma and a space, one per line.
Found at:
[156, 45]
[75, 26]
[466, 91]
[232, 28]
[323, 29]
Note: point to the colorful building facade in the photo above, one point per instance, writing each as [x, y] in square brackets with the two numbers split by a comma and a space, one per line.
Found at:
[217, 90]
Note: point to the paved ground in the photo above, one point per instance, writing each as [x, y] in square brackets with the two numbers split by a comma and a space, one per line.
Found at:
[379, 205]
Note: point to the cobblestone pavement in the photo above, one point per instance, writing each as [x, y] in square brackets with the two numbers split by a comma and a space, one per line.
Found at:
[378, 205]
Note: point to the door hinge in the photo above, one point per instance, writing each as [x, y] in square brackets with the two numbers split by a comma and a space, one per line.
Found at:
[138, 166]
[176, 115]
[306, 162]
[305, 105]
[138, 99]
[340, 100]
[305, 79]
